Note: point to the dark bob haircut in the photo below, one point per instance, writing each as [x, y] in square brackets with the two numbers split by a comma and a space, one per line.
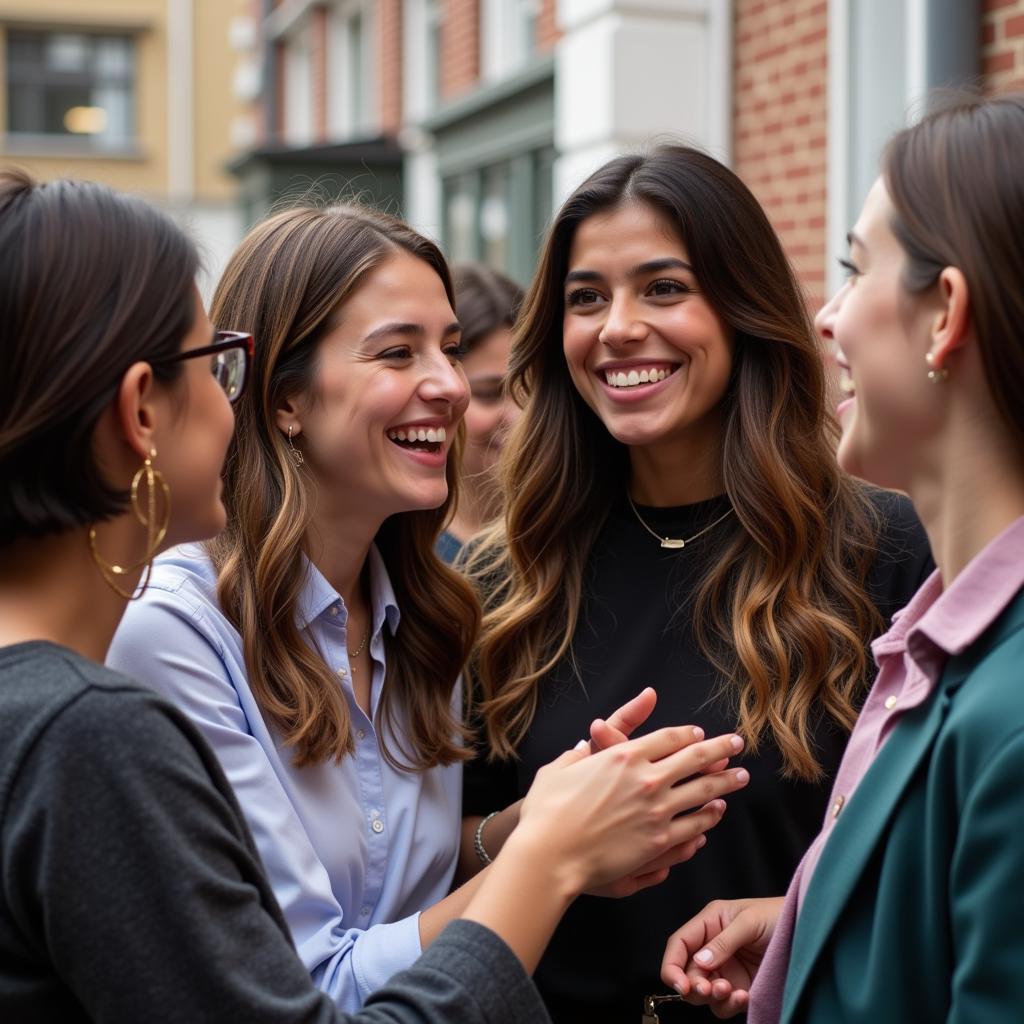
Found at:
[90, 282]
[484, 301]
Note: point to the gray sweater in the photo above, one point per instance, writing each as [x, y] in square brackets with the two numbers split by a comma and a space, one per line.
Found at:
[132, 890]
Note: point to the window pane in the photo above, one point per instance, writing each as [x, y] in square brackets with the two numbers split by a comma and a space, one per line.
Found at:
[494, 217]
[65, 52]
[24, 48]
[460, 219]
[113, 57]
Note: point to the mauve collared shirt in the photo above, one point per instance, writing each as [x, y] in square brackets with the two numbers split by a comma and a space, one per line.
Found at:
[936, 625]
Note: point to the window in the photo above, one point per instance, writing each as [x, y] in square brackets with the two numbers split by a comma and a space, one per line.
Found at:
[350, 70]
[71, 86]
[498, 213]
[508, 36]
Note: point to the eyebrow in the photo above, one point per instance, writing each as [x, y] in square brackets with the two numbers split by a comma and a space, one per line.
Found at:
[640, 270]
[409, 330]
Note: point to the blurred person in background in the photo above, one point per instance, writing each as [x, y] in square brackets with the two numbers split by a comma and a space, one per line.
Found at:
[486, 303]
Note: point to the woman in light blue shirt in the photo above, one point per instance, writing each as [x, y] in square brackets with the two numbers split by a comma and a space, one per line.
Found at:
[284, 640]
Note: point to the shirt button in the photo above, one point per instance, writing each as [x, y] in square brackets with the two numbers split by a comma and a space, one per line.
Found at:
[838, 806]
[365, 912]
[890, 703]
[334, 609]
[342, 672]
[377, 826]
[360, 734]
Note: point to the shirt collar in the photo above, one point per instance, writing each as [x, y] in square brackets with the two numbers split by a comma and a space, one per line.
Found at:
[318, 595]
[938, 623]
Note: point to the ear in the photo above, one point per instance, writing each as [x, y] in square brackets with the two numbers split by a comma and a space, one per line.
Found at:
[951, 326]
[287, 415]
[137, 410]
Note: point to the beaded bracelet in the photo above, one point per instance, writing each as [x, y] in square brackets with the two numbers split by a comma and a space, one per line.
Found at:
[478, 840]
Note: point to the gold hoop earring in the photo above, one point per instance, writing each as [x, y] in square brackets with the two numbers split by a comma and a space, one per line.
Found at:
[155, 532]
[294, 452]
[936, 374]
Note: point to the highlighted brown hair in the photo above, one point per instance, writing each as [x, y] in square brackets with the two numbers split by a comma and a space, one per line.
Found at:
[782, 613]
[290, 274]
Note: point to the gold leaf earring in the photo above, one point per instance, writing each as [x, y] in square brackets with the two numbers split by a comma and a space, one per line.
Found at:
[936, 374]
[294, 452]
[155, 532]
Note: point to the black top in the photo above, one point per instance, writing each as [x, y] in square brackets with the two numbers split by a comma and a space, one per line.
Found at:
[635, 630]
[132, 890]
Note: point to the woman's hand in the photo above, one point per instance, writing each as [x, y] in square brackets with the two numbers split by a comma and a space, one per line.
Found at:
[713, 959]
[617, 728]
[611, 813]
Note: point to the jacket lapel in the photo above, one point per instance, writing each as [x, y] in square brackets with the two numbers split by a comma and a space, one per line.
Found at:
[858, 832]
[863, 821]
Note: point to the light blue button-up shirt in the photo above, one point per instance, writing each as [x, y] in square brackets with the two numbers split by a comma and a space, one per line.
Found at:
[353, 850]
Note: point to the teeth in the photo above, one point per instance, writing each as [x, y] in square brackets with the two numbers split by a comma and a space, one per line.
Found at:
[433, 435]
[630, 379]
[846, 385]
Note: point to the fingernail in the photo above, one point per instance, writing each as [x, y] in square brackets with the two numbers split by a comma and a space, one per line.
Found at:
[743, 775]
[582, 745]
[701, 841]
[702, 988]
[698, 732]
[705, 956]
[678, 986]
[736, 743]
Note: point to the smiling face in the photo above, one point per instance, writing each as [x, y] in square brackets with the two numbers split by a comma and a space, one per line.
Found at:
[379, 421]
[882, 336]
[643, 345]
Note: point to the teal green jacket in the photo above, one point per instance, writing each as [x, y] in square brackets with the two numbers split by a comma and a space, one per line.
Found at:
[915, 911]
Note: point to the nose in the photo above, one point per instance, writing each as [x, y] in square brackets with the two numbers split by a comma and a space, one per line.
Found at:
[622, 324]
[825, 320]
[445, 381]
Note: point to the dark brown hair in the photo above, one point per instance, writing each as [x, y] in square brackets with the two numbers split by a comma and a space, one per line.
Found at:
[956, 181]
[90, 282]
[484, 301]
[283, 284]
[782, 613]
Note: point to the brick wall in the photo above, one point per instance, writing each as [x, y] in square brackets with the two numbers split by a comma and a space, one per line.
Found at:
[389, 64]
[780, 119]
[460, 47]
[547, 28]
[1002, 44]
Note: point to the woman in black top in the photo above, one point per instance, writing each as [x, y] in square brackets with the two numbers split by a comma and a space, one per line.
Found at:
[131, 888]
[676, 519]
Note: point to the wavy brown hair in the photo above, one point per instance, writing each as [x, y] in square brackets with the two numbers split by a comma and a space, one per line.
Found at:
[283, 284]
[782, 613]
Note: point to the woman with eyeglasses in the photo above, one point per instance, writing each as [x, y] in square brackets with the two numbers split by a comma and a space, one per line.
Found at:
[317, 642]
[908, 903]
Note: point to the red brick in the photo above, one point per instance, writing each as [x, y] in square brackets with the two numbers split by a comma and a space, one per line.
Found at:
[1004, 61]
[1014, 27]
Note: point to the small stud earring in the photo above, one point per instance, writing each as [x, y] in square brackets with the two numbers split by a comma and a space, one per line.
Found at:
[936, 374]
[294, 452]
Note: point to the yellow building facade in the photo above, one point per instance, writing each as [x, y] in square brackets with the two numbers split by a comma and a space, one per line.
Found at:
[138, 94]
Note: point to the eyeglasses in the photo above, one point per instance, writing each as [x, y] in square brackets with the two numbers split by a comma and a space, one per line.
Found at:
[231, 352]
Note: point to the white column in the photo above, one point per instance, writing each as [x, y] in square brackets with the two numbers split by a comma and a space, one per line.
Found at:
[180, 126]
[629, 73]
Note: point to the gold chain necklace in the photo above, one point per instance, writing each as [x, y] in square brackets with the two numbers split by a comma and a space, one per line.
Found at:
[675, 543]
[352, 655]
